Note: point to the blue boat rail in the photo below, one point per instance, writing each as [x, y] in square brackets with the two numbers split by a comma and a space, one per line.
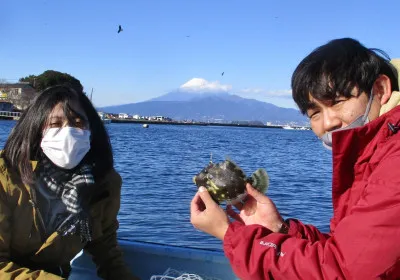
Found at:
[10, 115]
[151, 260]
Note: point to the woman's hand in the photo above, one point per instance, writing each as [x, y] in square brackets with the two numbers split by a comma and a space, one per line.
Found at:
[257, 209]
[207, 216]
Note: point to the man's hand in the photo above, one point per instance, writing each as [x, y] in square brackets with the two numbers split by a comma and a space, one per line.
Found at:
[257, 209]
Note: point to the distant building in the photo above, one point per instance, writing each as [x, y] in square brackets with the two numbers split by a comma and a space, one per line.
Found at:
[158, 118]
[6, 106]
[217, 120]
[136, 117]
[112, 116]
[18, 94]
[123, 116]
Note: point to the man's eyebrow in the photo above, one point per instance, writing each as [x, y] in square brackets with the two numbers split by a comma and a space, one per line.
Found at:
[311, 105]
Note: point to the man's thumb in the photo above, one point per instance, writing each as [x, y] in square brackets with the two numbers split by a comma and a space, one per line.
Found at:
[253, 192]
[205, 196]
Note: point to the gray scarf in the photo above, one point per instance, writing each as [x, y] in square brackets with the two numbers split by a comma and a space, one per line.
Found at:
[72, 187]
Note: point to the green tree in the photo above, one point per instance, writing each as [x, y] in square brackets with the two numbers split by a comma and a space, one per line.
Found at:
[52, 78]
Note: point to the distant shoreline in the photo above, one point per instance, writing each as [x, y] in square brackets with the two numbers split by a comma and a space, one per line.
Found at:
[127, 121]
[201, 124]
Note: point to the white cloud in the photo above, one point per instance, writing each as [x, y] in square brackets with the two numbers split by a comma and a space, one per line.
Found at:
[202, 85]
[262, 93]
[282, 98]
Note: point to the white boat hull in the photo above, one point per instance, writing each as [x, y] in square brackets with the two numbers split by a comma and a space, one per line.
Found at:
[149, 259]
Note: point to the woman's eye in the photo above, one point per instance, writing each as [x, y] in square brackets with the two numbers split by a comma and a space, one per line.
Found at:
[80, 124]
[55, 124]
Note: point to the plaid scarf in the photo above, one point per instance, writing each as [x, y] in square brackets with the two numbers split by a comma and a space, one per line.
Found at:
[73, 187]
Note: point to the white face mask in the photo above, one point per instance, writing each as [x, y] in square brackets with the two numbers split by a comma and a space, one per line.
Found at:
[66, 146]
[360, 121]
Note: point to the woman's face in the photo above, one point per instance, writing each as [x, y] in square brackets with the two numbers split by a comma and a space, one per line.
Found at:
[57, 118]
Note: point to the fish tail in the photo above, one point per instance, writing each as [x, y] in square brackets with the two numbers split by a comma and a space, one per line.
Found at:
[260, 180]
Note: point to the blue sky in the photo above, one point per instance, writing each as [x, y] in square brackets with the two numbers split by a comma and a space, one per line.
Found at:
[257, 44]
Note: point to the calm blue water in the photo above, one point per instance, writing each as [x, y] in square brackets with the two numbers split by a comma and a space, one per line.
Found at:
[157, 166]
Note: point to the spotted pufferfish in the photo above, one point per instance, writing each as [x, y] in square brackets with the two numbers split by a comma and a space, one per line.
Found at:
[226, 181]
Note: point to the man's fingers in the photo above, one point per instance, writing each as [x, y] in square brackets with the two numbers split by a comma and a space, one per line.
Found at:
[231, 213]
[253, 192]
[197, 205]
[238, 205]
[205, 196]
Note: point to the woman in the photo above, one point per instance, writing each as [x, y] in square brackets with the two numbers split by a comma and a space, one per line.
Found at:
[59, 192]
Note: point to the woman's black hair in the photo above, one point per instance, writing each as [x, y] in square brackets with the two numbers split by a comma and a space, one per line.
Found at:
[336, 68]
[23, 143]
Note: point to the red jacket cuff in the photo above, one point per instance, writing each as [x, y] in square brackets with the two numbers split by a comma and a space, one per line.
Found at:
[293, 228]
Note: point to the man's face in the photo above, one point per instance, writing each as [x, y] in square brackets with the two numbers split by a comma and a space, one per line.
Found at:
[326, 116]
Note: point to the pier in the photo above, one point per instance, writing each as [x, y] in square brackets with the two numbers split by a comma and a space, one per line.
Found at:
[127, 121]
[7, 115]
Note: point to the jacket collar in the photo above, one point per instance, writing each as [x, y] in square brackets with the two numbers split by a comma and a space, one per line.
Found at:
[392, 102]
[351, 148]
[396, 64]
[34, 164]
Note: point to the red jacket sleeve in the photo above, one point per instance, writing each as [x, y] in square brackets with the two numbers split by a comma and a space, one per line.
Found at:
[309, 232]
[364, 245]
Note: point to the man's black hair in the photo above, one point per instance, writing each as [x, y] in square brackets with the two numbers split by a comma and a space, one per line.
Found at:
[336, 68]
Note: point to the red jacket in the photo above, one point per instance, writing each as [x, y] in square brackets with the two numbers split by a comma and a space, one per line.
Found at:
[364, 242]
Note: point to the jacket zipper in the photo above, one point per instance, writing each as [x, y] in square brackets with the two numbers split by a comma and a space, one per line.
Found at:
[43, 231]
[39, 215]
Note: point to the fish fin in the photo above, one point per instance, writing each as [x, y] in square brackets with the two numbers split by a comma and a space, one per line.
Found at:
[230, 163]
[260, 180]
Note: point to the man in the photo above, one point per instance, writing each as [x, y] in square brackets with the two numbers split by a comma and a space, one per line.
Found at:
[350, 93]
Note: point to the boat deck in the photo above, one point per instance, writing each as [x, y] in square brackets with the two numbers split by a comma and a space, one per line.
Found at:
[149, 259]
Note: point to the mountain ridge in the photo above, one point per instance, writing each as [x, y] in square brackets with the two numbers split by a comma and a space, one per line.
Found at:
[209, 106]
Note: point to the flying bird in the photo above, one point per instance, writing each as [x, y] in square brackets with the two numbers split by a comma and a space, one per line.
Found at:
[222, 73]
[120, 29]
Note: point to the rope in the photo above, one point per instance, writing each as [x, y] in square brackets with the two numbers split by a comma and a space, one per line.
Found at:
[172, 274]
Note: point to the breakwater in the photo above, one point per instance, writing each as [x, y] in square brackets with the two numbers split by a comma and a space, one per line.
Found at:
[205, 124]
[15, 116]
